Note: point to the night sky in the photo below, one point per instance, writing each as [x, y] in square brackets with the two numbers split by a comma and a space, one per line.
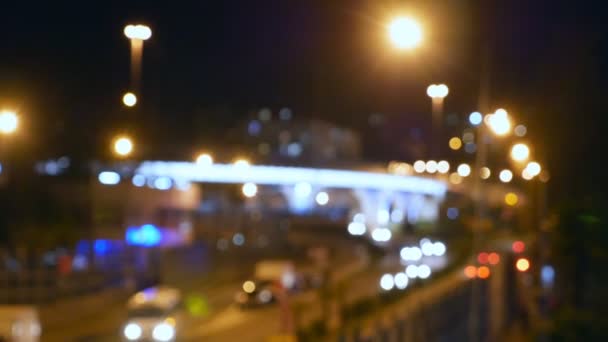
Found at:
[64, 66]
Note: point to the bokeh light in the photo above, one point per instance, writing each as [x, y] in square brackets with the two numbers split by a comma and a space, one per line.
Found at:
[470, 271]
[483, 272]
[443, 166]
[405, 33]
[475, 118]
[419, 166]
[455, 143]
[129, 99]
[123, 146]
[250, 190]
[511, 199]
[493, 258]
[464, 170]
[455, 178]
[485, 172]
[431, 166]
[505, 176]
[520, 152]
[522, 264]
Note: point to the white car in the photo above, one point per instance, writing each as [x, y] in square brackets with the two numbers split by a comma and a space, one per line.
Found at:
[153, 315]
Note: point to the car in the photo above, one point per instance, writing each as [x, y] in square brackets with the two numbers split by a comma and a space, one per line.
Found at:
[256, 293]
[153, 314]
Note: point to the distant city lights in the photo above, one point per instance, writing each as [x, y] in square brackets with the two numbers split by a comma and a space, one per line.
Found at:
[455, 143]
[139, 180]
[302, 189]
[419, 166]
[401, 280]
[443, 166]
[411, 253]
[387, 282]
[123, 146]
[464, 170]
[518, 247]
[356, 228]
[381, 234]
[322, 198]
[204, 159]
[505, 176]
[475, 118]
[431, 166]
[511, 199]
[522, 264]
[485, 172]
[108, 178]
[249, 190]
[129, 99]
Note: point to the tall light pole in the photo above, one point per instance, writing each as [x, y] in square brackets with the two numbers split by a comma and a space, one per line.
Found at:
[137, 34]
[437, 93]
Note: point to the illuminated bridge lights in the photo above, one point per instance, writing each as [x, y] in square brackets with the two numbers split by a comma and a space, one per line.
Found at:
[279, 175]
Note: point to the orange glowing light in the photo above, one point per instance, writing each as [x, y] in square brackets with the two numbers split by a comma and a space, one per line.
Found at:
[493, 258]
[483, 272]
[470, 271]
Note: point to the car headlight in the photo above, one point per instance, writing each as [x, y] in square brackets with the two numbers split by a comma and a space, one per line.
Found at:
[163, 332]
[132, 331]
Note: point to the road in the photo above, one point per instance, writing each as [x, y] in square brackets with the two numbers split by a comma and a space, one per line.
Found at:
[222, 320]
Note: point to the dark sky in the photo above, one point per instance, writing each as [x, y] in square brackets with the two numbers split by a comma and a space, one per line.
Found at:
[65, 65]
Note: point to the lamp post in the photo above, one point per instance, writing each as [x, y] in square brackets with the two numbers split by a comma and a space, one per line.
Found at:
[137, 34]
[437, 93]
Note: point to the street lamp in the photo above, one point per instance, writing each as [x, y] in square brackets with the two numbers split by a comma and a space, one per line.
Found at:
[404, 33]
[499, 122]
[9, 121]
[204, 159]
[129, 99]
[123, 146]
[520, 152]
[137, 34]
[437, 92]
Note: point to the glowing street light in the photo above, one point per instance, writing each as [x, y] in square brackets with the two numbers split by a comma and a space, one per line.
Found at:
[204, 159]
[520, 152]
[140, 32]
[129, 99]
[249, 190]
[137, 34]
[405, 33]
[533, 168]
[123, 146]
[437, 91]
[455, 143]
[499, 122]
[464, 170]
[241, 163]
[9, 121]
[505, 176]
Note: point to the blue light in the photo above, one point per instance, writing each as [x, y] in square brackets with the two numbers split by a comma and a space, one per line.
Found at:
[147, 235]
[101, 247]
[162, 183]
[475, 118]
[254, 128]
[547, 275]
[139, 180]
[109, 178]
[453, 213]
